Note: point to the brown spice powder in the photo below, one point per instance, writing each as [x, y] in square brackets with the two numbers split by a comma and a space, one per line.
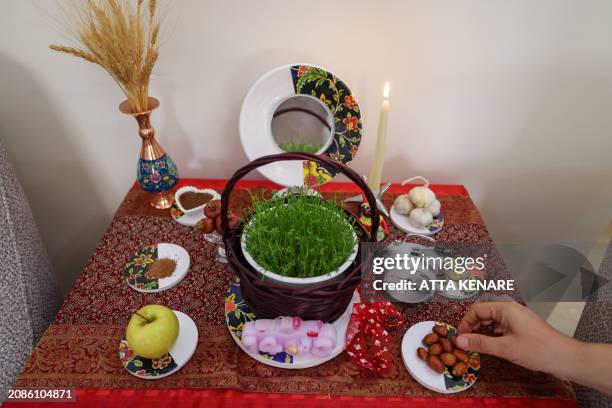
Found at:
[162, 268]
[193, 199]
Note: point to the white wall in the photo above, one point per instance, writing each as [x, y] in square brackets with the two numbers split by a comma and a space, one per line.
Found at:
[511, 98]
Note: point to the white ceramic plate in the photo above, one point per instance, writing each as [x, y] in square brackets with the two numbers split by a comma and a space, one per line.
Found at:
[443, 383]
[234, 302]
[136, 268]
[324, 88]
[402, 222]
[177, 357]
[190, 217]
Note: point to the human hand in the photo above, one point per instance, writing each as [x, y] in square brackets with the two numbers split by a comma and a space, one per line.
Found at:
[525, 338]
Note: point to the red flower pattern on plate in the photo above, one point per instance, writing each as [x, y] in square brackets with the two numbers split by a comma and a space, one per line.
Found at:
[162, 362]
[469, 378]
[230, 306]
[349, 101]
[351, 122]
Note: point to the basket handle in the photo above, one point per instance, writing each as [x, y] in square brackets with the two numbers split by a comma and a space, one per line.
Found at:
[262, 161]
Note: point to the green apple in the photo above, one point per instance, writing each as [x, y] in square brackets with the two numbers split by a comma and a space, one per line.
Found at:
[152, 331]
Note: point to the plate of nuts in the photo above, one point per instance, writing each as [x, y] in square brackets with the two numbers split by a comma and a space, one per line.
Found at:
[434, 361]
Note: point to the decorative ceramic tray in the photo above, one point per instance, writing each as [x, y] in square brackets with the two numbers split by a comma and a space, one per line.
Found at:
[136, 269]
[403, 223]
[237, 313]
[444, 383]
[323, 88]
[177, 357]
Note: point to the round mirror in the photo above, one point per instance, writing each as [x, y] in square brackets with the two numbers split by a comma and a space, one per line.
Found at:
[300, 108]
[302, 123]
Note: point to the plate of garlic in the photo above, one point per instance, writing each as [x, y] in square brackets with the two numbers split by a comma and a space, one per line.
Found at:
[417, 211]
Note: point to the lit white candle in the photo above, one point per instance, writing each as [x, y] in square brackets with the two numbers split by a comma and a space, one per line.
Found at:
[381, 143]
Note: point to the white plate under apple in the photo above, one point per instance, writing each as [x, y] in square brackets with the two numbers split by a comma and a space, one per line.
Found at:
[182, 350]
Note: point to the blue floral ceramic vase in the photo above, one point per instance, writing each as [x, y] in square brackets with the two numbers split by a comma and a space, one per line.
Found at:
[156, 172]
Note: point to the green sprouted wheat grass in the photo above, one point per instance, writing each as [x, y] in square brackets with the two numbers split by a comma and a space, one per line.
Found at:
[300, 147]
[297, 235]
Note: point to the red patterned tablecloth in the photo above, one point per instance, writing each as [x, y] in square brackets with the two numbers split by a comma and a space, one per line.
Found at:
[80, 349]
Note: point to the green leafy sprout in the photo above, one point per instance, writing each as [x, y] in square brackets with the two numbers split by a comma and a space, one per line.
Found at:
[298, 235]
[300, 147]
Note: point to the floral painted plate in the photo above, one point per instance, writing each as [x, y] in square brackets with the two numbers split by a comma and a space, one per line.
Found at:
[291, 83]
[444, 383]
[136, 270]
[403, 223]
[177, 357]
[237, 313]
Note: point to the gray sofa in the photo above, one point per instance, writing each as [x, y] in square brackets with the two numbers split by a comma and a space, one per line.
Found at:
[595, 326]
[29, 299]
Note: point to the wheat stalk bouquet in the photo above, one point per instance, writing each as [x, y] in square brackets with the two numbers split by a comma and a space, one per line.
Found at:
[121, 36]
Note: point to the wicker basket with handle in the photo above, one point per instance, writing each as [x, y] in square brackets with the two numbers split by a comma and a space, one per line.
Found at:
[325, 301]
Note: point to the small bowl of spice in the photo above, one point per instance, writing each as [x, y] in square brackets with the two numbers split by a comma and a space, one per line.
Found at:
[189, 202]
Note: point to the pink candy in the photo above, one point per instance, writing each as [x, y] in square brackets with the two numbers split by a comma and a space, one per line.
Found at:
[289, 334]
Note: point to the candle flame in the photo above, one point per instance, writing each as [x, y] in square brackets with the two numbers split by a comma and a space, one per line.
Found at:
[386, 90]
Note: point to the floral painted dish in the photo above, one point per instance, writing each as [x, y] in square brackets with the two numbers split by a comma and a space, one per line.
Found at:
[403, 223]
[177, 357]
[237, 313]
[444, 383]
[136, 270]
[321, 87]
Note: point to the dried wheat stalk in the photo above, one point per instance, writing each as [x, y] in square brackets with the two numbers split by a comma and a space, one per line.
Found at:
[121, 37]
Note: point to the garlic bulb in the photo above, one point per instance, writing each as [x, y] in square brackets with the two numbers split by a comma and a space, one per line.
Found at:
[421, 196]
[434, 208]
[403, 205]
[420, 217]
